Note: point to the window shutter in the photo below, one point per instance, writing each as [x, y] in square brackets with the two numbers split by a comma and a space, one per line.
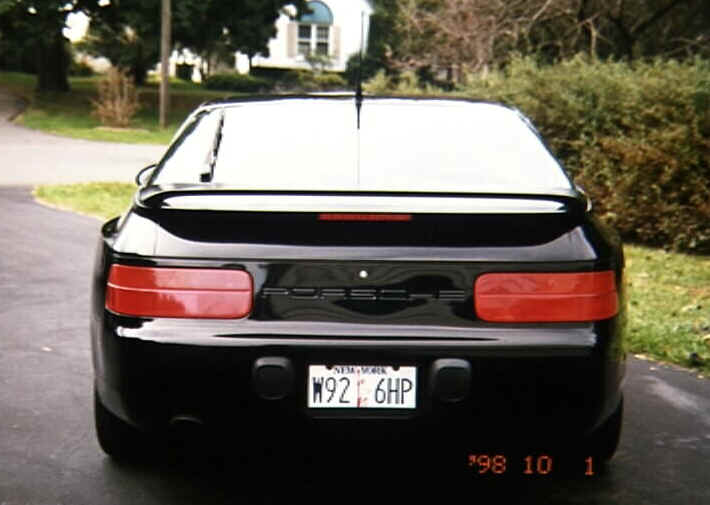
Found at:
[292, 39]
[336, 42]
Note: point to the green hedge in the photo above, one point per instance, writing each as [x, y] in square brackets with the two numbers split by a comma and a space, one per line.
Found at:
[636, 137]
[241, 83]
[324, 81]
[297, 81]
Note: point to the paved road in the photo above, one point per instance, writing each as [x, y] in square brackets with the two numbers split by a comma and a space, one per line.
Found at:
[31, 157]
[48, 454]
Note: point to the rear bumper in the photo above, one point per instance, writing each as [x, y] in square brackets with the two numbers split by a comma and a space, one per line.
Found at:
[536, 385]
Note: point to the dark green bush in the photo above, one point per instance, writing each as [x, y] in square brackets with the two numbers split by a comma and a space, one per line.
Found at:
[370, 66]
[323, 81]
[242, 83]
[637, 138]
[279, 75]
[303, 81]
[280, 80]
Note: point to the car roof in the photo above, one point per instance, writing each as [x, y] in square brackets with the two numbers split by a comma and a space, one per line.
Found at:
[346, 96]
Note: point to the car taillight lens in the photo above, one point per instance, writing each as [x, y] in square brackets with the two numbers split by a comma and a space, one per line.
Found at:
[179, 292]
[546, 297]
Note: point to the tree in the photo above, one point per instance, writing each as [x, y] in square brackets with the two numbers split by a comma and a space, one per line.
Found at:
[249, 33]
[471, 35]
[462, 35]
[36, 26]
[194, 28]
[628, 29]
[41, 24]
[381, 38]
[243, 25]
[127, 32]
[656, 27]
[16, 44]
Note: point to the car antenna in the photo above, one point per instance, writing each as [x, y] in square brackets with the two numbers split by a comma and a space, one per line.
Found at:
[358, 89]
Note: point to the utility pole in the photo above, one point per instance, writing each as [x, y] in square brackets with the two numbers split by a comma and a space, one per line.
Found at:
[165, 29]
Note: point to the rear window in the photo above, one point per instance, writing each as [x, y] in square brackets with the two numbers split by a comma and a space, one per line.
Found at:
[191, 152]
[404, 145]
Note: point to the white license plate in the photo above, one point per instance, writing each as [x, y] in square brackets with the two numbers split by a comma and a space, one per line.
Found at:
[362, 386]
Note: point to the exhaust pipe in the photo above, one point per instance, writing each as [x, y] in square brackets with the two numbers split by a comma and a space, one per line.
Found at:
[188, 436]
[187, 427]
[186, 420]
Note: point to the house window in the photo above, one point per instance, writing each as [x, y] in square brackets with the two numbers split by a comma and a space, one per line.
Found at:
[322, 36]
[314, 30]
[304, 39]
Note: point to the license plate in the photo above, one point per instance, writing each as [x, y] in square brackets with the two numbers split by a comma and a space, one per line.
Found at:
[362, 387]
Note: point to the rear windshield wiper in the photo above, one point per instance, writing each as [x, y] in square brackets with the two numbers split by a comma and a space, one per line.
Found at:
[209, 175]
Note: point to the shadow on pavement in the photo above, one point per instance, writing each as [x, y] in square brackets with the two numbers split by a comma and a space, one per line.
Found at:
[341, 475]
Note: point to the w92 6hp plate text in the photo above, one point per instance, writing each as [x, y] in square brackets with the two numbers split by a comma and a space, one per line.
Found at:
[362, 386]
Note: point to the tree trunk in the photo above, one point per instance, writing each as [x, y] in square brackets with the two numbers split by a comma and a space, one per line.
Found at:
[139, 69]
[52, 64]
[139, 73]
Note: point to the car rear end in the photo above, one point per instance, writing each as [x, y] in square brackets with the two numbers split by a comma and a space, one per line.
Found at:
[315, 315]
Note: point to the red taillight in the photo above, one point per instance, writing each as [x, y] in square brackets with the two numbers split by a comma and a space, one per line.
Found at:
[364, 217]
[545, 297]
[179, 292]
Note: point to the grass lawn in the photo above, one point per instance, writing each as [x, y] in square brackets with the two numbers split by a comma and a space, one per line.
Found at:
[669, 293]
[69, 114]
[669, 305]
[97, 199]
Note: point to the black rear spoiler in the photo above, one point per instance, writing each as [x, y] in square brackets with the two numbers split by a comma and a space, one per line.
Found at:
[154, 197]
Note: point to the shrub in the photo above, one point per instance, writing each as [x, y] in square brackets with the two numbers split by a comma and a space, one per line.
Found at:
[274, 74]
[379, 84]
[319, 81]
[118, 98]
[637, 138]
[370, 66]
[407, 82]
[241, 83]
[300, 81]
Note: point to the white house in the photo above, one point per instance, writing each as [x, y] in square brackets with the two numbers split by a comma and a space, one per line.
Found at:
[333, 28]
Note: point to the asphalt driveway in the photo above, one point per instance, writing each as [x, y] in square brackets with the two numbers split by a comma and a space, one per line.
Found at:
[30, 157]
[48, 452]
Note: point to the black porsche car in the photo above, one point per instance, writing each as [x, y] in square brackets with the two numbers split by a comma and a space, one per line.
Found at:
[302, 267]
